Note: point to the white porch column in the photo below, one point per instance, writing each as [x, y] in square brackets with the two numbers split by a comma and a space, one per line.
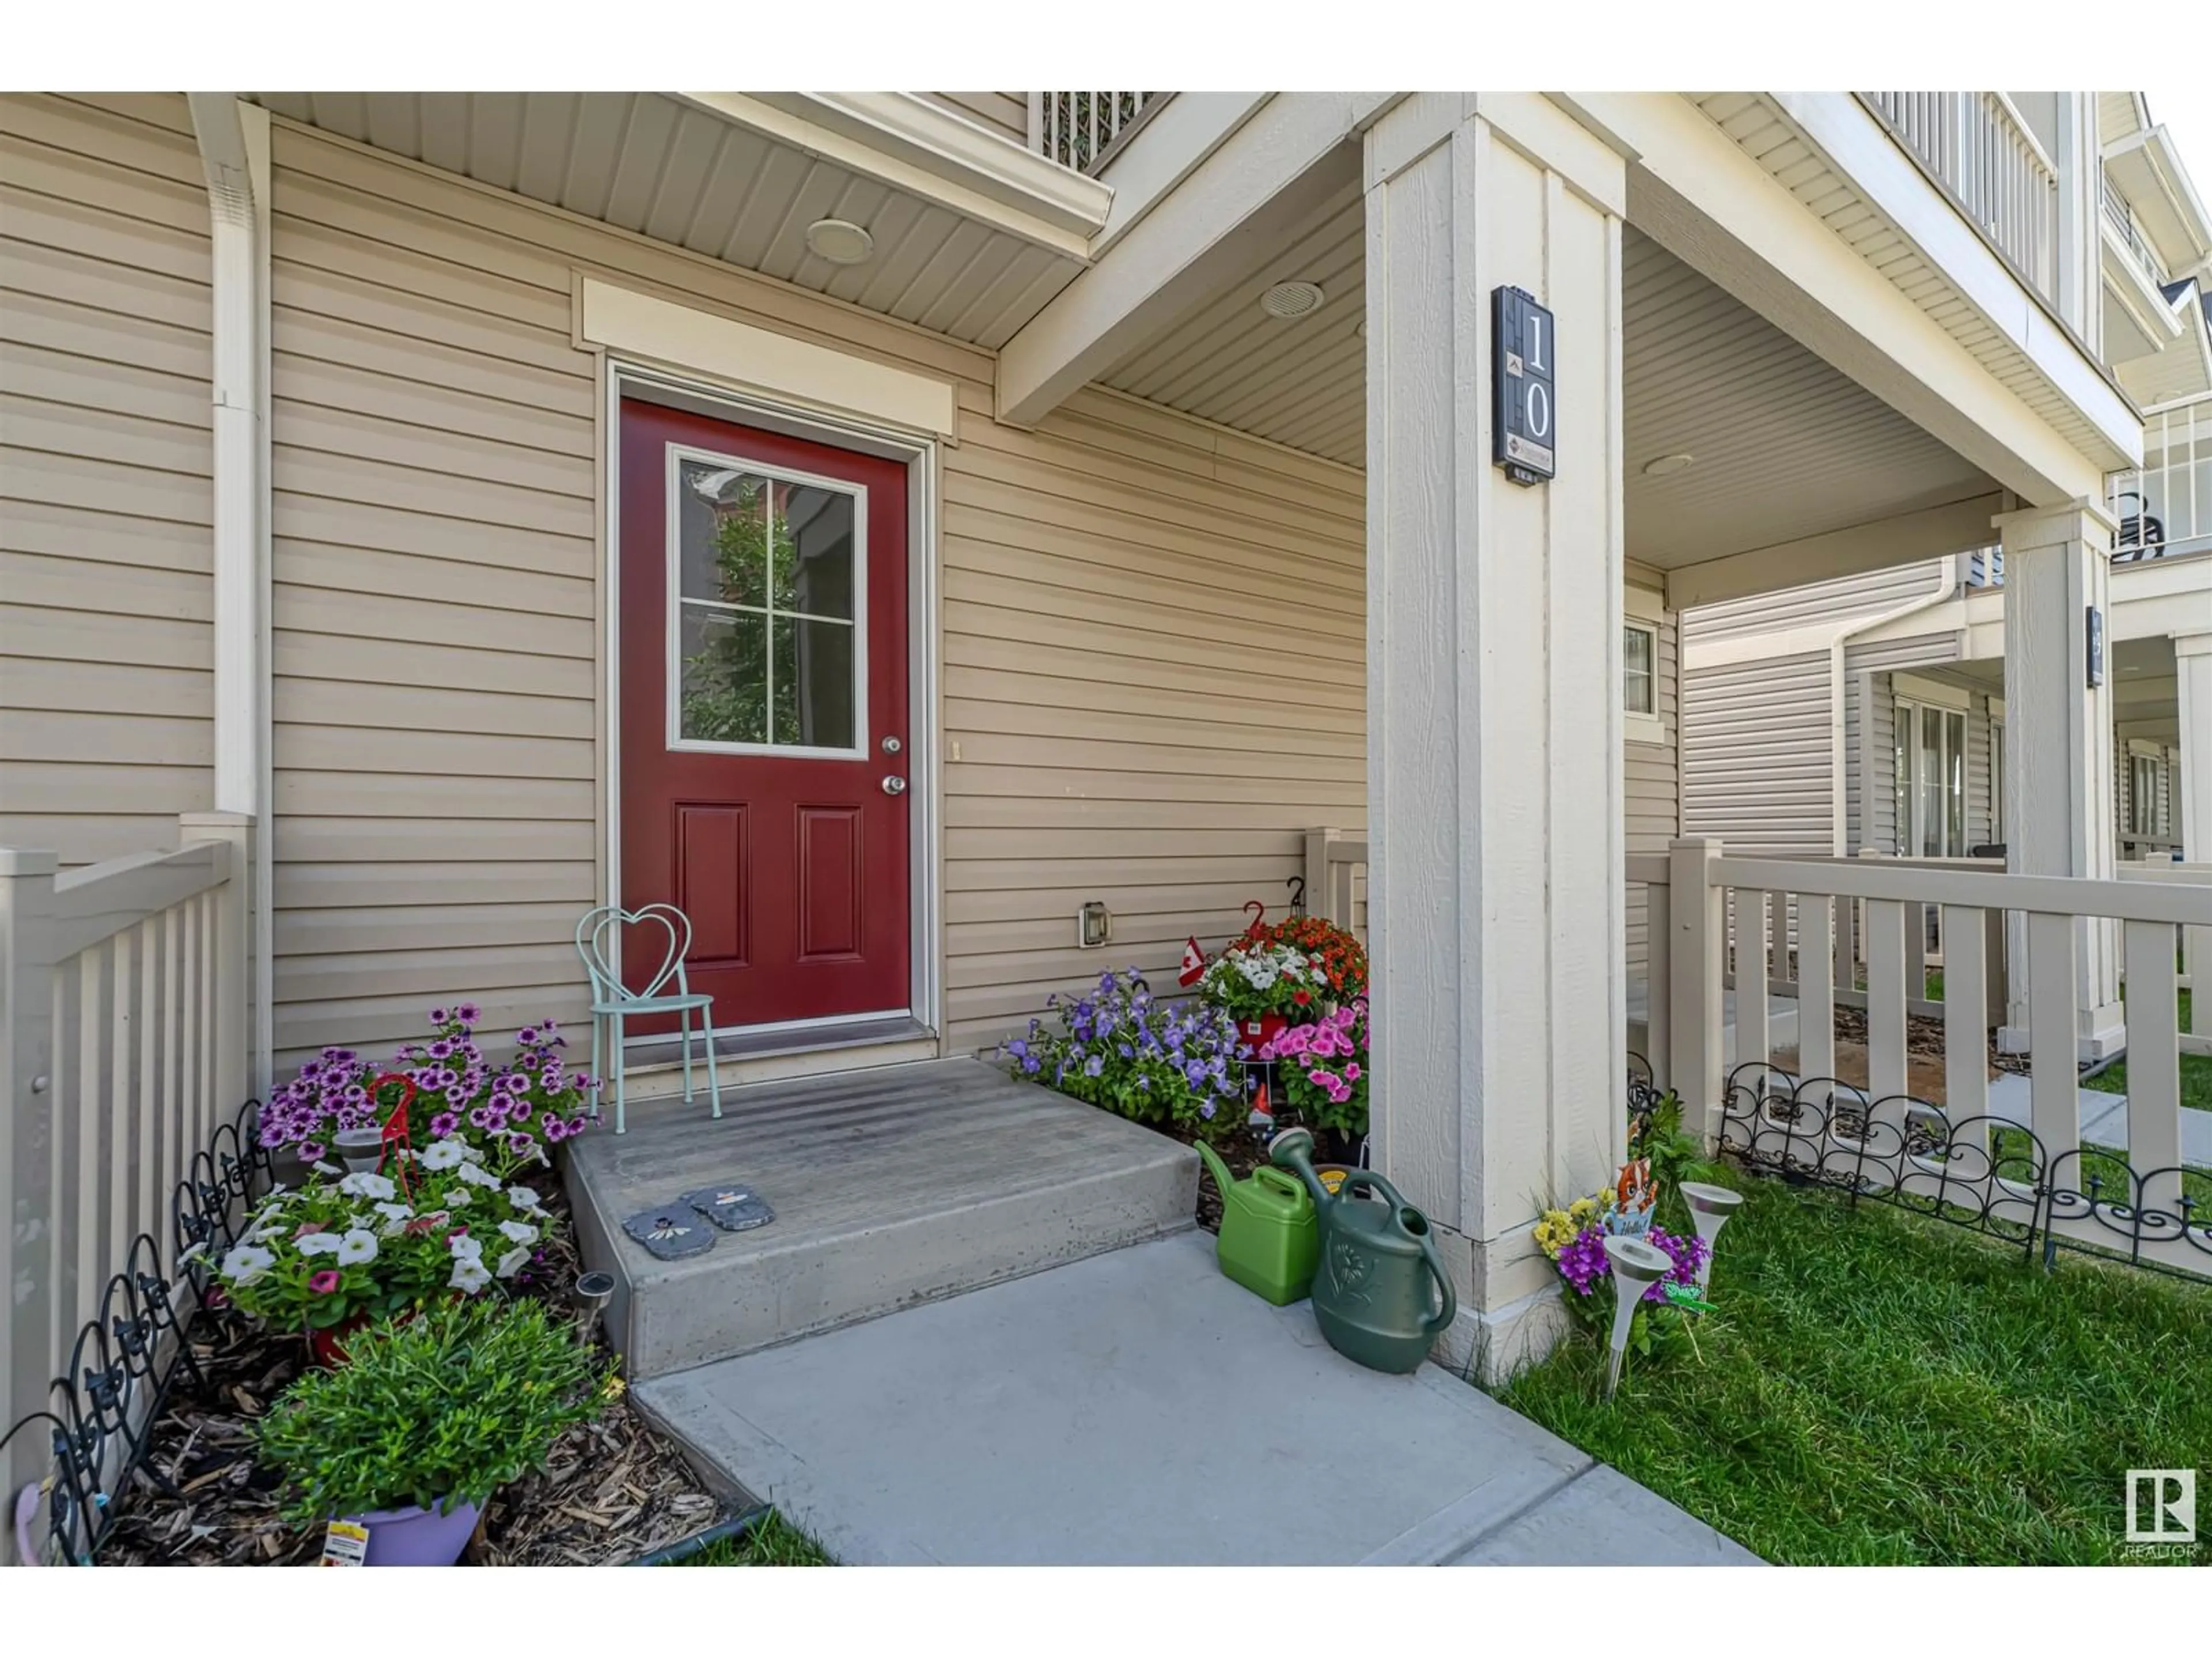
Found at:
[2192, 794]
[1496, 908]
[2059, 803]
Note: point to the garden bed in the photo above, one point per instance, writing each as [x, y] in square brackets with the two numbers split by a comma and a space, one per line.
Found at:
[612, 1490]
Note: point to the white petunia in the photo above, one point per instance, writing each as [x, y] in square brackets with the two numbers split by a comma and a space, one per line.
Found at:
[324, 1166]
[191, 1252]
[392, 1210]
[525, 1200]
[459, 1196]
[444, 1154]
[520, 1232]
[358, 1245]
[465, 1247]
[476, 1174]
[514, 1261]
[246, 1263]
[367, 1183]
[320, 1244]
[468, 1276]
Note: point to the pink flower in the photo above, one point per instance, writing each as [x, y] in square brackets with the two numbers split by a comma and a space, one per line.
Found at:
[324, 1282]
[1352, 1073]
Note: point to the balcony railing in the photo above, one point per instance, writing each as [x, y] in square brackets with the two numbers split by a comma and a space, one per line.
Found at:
[2165, 511]
[1977, 148]
[1083, 130]
[2121, 219]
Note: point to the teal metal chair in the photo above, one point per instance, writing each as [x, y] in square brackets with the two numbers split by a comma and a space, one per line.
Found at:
[613, 1003]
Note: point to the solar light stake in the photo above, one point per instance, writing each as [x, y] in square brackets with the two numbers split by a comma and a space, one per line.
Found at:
[1637, 1265]
[1709, 1210]
[592, 1290]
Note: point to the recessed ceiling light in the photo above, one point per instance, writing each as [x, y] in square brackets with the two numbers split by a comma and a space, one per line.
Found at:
[1289, 300]
[839, 242]
[1665, 465]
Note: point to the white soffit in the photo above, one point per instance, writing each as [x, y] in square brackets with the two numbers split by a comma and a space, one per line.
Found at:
[641, 328]
[695, 178]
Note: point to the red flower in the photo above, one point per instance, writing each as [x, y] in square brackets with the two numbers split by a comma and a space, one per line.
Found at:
[1302, 997]
[324, 1282]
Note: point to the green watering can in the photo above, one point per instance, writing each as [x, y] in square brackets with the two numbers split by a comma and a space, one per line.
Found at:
[1269, 1239]
[1378, 1261]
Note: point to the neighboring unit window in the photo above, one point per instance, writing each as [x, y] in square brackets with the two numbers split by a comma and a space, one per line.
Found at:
[1640, 660]
[1931, 767]
[2142, 796]
[766, 575]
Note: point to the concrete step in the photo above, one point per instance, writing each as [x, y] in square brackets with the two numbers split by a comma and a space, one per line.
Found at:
[892, 1186]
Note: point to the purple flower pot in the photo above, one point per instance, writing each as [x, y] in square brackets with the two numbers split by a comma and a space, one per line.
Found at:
[414, 1537]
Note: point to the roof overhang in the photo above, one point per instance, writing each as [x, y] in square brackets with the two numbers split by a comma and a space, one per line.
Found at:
[2149, 174]
[909, 143]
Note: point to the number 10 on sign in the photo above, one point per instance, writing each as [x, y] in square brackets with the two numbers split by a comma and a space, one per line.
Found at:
[1524, 419]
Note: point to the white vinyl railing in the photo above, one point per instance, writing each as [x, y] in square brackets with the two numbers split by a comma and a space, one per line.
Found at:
[1336, 879]
[123, 1042]
[1082, 129]
[1719, 911]
[2165, 511]
[1977, 147]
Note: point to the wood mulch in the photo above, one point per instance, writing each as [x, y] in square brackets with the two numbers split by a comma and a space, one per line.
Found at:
[611, 1490]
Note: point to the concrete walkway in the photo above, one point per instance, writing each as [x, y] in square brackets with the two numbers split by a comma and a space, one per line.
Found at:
[2104, 1118]
[1136, 1407]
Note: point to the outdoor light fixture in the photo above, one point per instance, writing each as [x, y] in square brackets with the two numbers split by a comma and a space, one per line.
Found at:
[1292, 300]
[839, 242]
[1709, 1210]
[1666, 464]
[1637, 1265]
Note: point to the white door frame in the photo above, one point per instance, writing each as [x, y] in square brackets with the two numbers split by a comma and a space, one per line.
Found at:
[918, 452]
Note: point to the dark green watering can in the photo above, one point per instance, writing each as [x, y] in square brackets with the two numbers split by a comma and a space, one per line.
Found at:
[1372, 1292]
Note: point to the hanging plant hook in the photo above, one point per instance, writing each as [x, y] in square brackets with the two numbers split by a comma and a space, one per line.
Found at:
[1297, 886]
[1259, 913]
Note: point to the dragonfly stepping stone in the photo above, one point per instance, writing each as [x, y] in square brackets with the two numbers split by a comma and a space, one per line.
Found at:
[672, 1231]
[733, 1206]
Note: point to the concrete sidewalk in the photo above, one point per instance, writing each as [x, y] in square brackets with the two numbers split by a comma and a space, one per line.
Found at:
[1137, 1407]
[2104, 1118]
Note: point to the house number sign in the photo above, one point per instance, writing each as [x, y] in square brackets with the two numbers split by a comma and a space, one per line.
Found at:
[1524, 420]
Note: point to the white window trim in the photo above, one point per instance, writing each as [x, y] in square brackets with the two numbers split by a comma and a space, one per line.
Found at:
[1910, 688]
[1909, 837]
[672, 622]
[1646, 611]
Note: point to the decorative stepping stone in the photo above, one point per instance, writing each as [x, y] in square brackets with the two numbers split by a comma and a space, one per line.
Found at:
[671, 1232]
[734, 1209]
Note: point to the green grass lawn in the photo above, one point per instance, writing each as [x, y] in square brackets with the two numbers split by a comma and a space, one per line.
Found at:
[772, 1542]
[1875, 1386]
[2195, 1072]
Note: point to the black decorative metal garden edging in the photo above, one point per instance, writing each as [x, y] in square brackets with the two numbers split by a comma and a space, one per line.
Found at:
[1988, 1175]
[100, 1412]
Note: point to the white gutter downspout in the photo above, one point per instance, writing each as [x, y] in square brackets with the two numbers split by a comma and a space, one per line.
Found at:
[1839, 825]
[233, 143]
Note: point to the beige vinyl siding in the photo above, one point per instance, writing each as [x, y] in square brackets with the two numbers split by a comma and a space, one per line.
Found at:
[1652, 787]
[1815, 603]
[1006, 113]
[106, 454]
[1881, 660]
[1757, 755]
[1153, 629]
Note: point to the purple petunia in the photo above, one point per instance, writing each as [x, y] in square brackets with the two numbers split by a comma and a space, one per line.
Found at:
[444, 1125]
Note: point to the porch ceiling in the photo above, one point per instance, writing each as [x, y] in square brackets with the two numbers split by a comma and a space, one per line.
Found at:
[1301, 381]
[1783, 446]
[650, 162]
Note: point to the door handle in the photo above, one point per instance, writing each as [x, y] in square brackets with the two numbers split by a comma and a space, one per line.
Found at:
[894, 785]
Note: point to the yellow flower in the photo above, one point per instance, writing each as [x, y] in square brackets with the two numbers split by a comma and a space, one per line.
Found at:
[1554, 1232]
[614, 1388]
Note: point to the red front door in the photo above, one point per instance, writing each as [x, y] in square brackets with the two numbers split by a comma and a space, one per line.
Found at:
[765, 740]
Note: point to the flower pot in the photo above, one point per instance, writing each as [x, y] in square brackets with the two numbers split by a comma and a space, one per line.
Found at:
[1252, 1034]
[360, 1150]
[327, 1345]
[414, 1537]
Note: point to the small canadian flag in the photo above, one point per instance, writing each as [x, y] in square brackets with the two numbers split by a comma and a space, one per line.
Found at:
[1194, 963]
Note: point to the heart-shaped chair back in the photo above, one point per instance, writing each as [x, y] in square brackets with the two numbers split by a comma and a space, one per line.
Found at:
[605, 926]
